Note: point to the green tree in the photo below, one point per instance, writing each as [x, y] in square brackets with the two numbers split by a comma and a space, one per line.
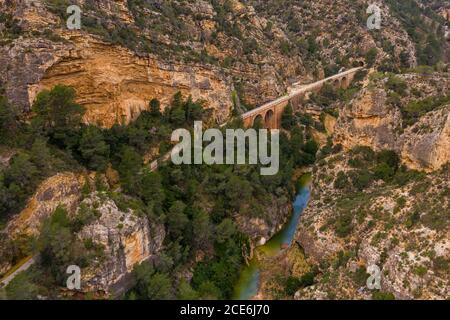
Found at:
[177, 219]
[311, 147]
[238, 191]
[58, 247]
[307, 279]
[41, 156]
[151, 285]
[202, 229]
[186, 292]
[22, 287]
[177, 116]
[159, 287]
[93, 149]
[193, 110]
[225, 230]
[22, 173]
[208, 291]
[8, 122]
[313, 47]
[397, 85]
[151, 188]
[287, 117]
[155, 107]
[371, 56]
[361, 179]
[389, 157]
[57, 110]
[5, 202]
[344, 224]
[293, 283]
[404, 59]
[129, 167]
[383, 171]
[137, 138]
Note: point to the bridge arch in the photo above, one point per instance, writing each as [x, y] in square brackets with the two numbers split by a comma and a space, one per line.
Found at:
[258, 119]
[269, 119]
[336, 84]
[344, 82]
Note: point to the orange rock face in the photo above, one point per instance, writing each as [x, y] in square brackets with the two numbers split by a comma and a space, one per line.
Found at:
[62, 189]
[115, 85]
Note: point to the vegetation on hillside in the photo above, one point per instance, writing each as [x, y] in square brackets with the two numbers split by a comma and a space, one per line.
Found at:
[196, 203]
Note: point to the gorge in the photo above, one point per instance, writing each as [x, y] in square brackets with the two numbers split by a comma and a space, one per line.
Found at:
[86, 177]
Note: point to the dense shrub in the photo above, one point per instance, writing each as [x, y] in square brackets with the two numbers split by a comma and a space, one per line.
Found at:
[417, 108]
[341, 181]
[344, 225]
[397, 85]
[293, 284]
[371, 56]
[380, 295]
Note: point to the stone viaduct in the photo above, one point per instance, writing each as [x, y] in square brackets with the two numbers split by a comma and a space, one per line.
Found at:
[270, 113]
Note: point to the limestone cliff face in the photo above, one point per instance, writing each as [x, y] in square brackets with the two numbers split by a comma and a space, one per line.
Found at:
[126, 239]
[368, 120]
[115, 85]
[427, 143]
[371, 120]
[62, 189]
[21, 67]
[231, 45]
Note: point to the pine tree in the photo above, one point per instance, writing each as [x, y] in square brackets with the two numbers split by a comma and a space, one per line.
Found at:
[287, 118]
[40, 155]
[93, 149]
[155, 108]
[129, 167]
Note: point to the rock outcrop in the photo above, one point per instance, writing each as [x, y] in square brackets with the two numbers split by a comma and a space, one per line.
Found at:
[115, 85]
[368, 120]
[426, 144]
[261, 229]
[63, 189]
[371, 119]
[126, 240]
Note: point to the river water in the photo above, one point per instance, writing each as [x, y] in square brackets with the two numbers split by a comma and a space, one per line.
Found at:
[248, 283]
